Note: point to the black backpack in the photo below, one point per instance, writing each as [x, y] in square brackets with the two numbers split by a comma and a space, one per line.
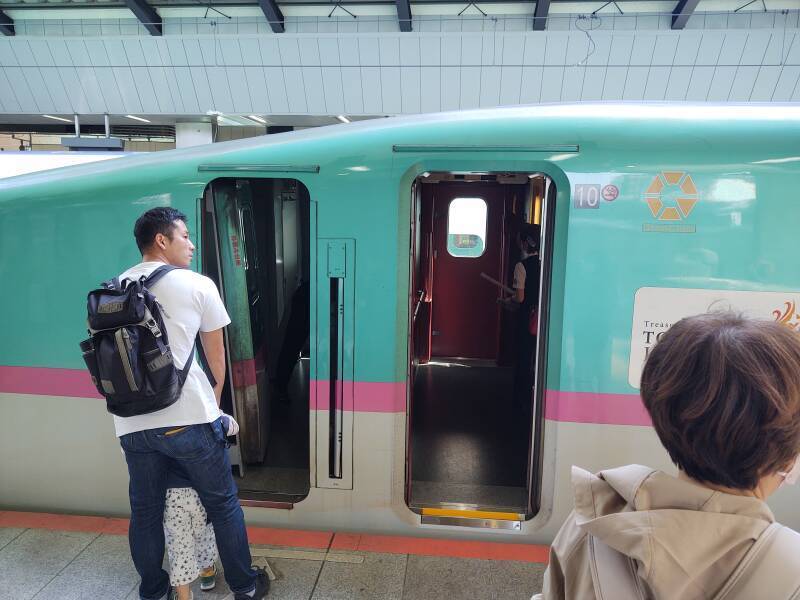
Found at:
[128, 352]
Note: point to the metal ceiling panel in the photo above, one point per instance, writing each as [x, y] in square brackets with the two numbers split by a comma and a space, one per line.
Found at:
[186, 91]
[572, 84]
[230, 53]
[144, 89]
[430, 84]
[644, 47]
[295, 89]
[334, 93]
[20, 88]
[430, 51]
[112, 99]
[220, 89]
[270, 53]
[240, 90]
[368, 51]
[410, 51]
[276, 87]
[451, 87]
[710, 48]
[592, 86]
[700, 82]
[329, 51]
[314, 91]
[202, 88]
[289, 51]
[553, 79]
[657, 79]
[410, 89]
[765, 83]
[743, 83]
[371, 90]
[133, 52]
[389, 48]
[44, 101]
[489, 86]
[391, 91]
[510, 81]
[257, 89]
[635, 84]
[349, 51]
[351, 90]
[309, 51]
[721, 84]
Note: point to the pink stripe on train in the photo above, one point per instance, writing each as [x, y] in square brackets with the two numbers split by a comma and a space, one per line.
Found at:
[588, 407]
[44, 381]
[367, 396]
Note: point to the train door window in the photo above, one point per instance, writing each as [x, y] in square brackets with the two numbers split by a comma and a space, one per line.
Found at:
[245, 240]
[466, 227]
[473, 359]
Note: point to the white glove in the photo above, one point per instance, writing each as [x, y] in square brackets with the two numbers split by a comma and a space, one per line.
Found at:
[230, 424]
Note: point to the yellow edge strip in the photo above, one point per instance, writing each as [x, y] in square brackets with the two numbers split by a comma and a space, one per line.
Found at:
[470, 514]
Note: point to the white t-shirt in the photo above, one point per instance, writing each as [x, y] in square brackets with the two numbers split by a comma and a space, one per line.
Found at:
[191, 303]
[519, 272]
[519, 276]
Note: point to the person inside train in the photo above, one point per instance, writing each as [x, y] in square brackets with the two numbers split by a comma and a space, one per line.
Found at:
[189, 433]
[724, 398]
[526, 301]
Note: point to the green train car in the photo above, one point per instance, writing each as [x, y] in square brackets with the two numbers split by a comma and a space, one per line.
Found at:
[369, 261]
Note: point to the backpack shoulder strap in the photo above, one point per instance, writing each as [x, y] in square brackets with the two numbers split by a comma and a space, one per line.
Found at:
[158, 274]
[184, 372]
[772, 563]
[613, 573]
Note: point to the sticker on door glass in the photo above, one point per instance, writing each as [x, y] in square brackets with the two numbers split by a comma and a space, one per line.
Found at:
[466, 227]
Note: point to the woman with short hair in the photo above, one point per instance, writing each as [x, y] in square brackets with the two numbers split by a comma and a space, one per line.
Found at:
[723, 393]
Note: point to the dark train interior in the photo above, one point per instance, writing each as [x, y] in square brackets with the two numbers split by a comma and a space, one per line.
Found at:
[263, 225]
[470, 422]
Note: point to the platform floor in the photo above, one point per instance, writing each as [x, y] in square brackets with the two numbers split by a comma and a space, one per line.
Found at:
[75, 558]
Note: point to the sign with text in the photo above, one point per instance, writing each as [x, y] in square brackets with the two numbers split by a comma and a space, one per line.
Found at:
[656, 309]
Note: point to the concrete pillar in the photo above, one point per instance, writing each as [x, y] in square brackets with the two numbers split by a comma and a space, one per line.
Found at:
[192, 134]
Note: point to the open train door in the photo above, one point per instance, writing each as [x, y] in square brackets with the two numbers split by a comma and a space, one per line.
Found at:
[256, 247]
[239, 267]
[474, 425]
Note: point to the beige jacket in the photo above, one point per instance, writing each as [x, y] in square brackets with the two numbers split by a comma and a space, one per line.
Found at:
[686, 539]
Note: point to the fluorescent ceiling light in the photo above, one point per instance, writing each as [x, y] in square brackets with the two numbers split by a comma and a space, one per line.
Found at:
[57, 118]
[343, 119]
[258, 119]
[137, 118]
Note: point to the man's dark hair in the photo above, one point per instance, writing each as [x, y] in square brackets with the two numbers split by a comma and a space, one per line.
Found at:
[529, 235]
[724, 395]
[154, 221]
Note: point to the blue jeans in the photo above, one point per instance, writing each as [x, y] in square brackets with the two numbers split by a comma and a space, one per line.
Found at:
[200, 450]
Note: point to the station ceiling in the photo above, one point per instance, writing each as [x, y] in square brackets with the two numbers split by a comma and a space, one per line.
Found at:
[151, 12]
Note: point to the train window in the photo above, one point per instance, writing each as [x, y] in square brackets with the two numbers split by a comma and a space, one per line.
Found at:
[466, 227]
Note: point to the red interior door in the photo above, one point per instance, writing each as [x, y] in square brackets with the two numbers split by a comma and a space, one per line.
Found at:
[466, 315]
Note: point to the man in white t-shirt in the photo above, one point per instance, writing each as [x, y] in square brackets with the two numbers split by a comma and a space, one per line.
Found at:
[187, 435]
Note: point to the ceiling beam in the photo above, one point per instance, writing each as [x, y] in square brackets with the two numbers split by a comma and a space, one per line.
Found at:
[404, 14]
[6, 24]
[273, 14]
[682, 12]
[540, 15]
[146, 15]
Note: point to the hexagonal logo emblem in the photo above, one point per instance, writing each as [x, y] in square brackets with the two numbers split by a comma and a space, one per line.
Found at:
[671, 196]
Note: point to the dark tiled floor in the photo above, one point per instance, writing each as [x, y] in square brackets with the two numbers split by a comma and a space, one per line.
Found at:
[467, 445]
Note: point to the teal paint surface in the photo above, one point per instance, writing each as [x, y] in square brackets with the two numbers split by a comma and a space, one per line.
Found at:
[64, 231]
